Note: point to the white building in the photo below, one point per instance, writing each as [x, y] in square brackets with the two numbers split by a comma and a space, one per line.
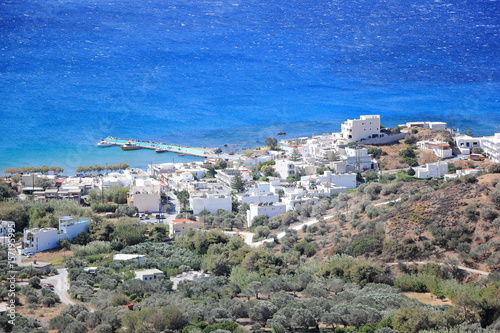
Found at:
[254, 161]
[356, 158]
[465, 172]
[433, 125]
[257, 197]
[189, 276]
[145, 195]
[491, 146]
[83, 183]
[263, 208]
[180, 180]
[41, 239]
[194, 168]
[347, 180]
[437, 169]
[129, 257]
[156, 170]
[367, 127]
[465, 143]
[441, 149]
[181, 226]
[210, 202]
[292, 201]
[330, 189]
[287, 168]
[149, 275]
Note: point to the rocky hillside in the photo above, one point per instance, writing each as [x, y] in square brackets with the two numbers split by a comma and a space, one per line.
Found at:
[433, 220]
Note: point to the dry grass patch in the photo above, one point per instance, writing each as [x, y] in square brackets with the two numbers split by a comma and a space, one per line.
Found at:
[428, 298]
[43, 314]
[55, 257]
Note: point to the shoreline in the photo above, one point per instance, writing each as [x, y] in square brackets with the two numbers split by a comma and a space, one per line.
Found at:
[70, 156]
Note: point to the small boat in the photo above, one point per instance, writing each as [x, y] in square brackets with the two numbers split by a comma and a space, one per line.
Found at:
[281, 133]
[231, 153]
[130, 146]
[181, 154]
[161, 150]
[104, 143]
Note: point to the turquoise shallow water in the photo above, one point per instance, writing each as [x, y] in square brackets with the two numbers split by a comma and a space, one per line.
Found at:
[206, 73]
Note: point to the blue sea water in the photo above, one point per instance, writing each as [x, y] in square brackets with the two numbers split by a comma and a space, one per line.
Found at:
[206, 73]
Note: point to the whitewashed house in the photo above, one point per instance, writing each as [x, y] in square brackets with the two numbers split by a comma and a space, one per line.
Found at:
[347, 180]
[210, 202]
[263, 208]
[129, 257]
[356, 158]
[181, 226]
[189, 276]
[491, 146]
[149, 275]
[41, 239]
[145, 195]
[465, 172]
[257, 197]
[367, 127]
[287, 168]
[254, 161]
[295, 199]
[433, 125]
[441, 149]
[465, 143]
[434, 170]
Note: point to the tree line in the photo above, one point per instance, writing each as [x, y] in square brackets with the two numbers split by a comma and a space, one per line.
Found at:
[99, 168]
[44, 169]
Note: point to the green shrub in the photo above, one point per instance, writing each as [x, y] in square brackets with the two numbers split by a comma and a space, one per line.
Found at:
[92, 248]
[103, 208]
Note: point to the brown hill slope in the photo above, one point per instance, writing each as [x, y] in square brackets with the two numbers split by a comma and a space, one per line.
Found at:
[435, 220]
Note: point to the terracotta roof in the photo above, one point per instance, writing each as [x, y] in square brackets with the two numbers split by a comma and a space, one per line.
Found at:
[438, 144]
[182, 220]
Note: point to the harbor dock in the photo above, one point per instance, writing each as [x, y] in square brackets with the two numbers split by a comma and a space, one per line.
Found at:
[199, 152]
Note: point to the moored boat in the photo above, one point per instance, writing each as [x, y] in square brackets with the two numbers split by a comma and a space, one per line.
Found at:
[104, 143]
[130, 146]
[181, 154]
[160, 150]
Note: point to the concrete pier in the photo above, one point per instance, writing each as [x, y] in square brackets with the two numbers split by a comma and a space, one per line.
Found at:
[200, 152]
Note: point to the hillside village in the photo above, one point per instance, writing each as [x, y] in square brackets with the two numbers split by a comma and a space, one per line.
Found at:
[293, 235]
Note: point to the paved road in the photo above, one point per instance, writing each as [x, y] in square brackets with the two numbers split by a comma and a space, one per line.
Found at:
[248, 236]
[61, 285]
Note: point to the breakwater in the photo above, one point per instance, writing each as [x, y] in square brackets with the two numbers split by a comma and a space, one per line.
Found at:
[179, 149]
